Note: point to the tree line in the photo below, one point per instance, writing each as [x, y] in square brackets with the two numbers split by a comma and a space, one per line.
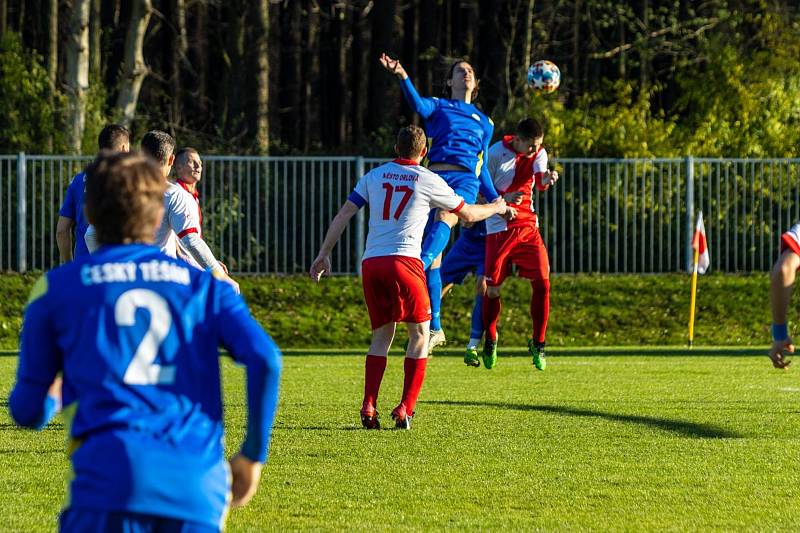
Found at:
[639, 78]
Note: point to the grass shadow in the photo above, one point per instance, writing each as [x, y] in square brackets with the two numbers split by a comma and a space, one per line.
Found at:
[681, 427]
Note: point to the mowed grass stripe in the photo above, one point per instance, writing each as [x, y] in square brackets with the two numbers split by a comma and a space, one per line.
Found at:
[610, 443]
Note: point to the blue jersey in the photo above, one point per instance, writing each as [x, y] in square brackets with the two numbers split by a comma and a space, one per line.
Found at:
[135, 334]
[460, 134]
[73, 208]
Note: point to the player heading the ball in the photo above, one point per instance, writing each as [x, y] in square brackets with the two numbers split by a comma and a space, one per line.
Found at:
[141, 388]
[401, 194]
[460, 136]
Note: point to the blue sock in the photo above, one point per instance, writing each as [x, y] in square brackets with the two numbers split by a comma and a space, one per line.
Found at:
[477, 319]
[435, 293]
[435, 243]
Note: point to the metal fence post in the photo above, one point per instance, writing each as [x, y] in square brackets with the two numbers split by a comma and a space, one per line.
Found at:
[22, 210]
[689, 211]
[360, 223]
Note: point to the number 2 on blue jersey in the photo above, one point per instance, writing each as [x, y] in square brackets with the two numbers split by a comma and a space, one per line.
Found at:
[142, 370]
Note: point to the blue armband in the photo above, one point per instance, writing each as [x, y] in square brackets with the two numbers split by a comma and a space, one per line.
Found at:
[779, 332]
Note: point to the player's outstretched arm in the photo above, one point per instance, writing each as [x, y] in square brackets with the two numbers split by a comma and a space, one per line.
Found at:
[422, 106]
[249, 344]
[36, 396]
[478, 212]
[322, 263]
[781, 280]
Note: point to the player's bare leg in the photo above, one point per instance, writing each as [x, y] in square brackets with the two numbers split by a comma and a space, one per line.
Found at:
[414, 365]
[374, 368]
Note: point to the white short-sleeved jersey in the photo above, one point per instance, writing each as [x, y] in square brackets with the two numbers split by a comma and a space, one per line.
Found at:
[400, 195]
[513, 172]
[791, 239]
[181, 217]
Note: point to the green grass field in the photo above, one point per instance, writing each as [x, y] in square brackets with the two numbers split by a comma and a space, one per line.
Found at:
[641, 441]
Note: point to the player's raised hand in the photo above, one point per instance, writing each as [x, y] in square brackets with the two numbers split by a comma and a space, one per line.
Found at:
[320, 266]
[513, 197]
[393, 66]
[550, 178]
[246, 474]
[776, 353]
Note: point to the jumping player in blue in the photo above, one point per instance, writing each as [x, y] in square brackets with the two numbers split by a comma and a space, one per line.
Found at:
[460, 137]
[134, 336]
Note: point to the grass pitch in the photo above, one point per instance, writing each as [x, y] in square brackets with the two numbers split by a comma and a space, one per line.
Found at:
[611, 442]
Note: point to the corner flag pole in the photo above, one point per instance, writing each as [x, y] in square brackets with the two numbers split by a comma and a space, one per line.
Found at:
[694, 296]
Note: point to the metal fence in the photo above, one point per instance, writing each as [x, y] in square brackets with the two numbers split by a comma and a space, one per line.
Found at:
[270, 214]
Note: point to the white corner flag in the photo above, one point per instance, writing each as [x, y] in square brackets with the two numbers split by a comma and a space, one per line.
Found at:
[700, 245]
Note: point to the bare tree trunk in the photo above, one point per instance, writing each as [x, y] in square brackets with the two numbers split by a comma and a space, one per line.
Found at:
[262, 95]
[380, 82]
[3, 16]
[134, 69]
[95, 31]
[77, 79]
[180, 45]
[52, 58]
[200, 97]
[310, 70]
[528, 33]
[52, 49]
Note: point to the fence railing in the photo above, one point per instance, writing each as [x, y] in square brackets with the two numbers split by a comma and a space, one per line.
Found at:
[270, 214]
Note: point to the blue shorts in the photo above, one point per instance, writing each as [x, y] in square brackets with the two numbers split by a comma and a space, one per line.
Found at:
[467, 255]
[85, 521]
[464, 183]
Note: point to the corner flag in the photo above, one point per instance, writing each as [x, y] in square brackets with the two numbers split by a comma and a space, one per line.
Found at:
[702, 260]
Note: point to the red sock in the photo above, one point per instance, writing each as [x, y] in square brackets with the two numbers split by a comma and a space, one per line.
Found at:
[491, 314]
[373, 375]
[414, 376]
[540, 308]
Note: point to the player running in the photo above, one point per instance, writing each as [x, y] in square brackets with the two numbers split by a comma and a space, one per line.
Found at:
[782, 279]
[112, 137]
[460, 136]
[141, 387]
[517, 163]
[401, 194]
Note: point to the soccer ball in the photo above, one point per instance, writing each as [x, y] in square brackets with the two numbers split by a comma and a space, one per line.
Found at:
[544, 76]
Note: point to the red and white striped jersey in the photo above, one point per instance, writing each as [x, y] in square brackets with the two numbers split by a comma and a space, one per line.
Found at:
[514, 172]
[401, 194]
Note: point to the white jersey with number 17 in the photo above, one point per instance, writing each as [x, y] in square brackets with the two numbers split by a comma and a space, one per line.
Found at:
[401, 194]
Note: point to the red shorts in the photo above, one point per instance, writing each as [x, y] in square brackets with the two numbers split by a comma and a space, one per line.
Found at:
[395, 290]
[521, 245]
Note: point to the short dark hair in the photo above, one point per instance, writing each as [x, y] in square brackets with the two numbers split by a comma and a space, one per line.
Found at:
[124, 192]
[159, 145]
[112, 137]
[181, 154]
[410, 142]
[529, 128]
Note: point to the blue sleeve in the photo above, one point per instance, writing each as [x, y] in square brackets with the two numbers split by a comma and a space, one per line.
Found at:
[39, 363]
[249, 344]
[68, 207]
[487, 188]
[422, 106]
[357, 199]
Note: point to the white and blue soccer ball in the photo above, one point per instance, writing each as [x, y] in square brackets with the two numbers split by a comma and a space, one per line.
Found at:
[544, 76]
